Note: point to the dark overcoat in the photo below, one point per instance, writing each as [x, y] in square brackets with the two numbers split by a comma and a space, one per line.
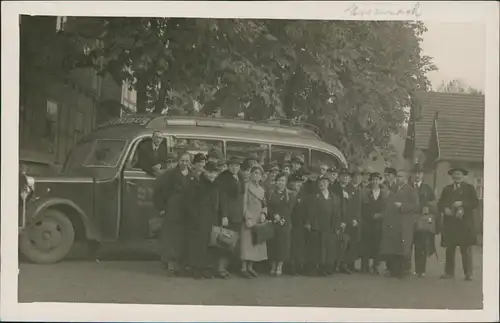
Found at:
[168, 197]
[458, 231]
[232, 192]
[282, 203]
[371, 227]
[323, 215]
[202, 212]
[398, 222]
[298, 219]
[350, 211]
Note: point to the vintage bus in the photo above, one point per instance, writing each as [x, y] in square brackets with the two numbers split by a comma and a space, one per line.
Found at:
[101, 196]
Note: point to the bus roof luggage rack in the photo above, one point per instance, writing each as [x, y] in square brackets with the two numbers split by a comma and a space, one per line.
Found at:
[237, 124]
[296, 124]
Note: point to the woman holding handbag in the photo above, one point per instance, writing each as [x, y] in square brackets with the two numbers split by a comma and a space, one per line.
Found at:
[202, 215]
[254, 212]
[281, 202]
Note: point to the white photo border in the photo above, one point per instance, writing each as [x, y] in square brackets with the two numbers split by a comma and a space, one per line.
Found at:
[483, 12]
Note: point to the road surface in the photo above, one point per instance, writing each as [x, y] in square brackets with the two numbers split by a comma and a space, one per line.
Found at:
[143, 281]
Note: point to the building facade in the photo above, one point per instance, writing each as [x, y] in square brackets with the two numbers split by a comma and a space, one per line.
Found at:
[450, 133]
[56, 110]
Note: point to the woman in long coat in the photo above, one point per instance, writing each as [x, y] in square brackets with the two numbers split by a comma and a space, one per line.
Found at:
[231, 184]
[371, 226]
[202, 212]
[254, 212]
[280, 206]
[169, 190]
[298, 233]
[322, 222]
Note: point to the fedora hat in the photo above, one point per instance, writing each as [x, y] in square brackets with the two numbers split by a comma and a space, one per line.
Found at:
[297, 159]
[234, 160]
[464, 171]
[212, 167]
[418, 168]
[390, 170]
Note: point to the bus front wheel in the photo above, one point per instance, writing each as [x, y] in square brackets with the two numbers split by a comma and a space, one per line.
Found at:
[48, 239]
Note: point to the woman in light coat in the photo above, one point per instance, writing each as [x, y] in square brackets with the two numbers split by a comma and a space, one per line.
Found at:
[254, 212]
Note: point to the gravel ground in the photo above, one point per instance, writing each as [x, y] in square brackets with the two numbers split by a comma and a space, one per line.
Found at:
[134, 278]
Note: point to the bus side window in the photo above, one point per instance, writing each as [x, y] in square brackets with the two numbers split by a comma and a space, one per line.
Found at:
[194, 145]
[318, 158]
[285, 153]
[243, 149]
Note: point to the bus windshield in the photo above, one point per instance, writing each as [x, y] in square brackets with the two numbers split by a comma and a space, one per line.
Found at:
[98, 153]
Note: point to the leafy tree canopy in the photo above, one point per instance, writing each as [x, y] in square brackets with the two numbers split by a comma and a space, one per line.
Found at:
[352, 79]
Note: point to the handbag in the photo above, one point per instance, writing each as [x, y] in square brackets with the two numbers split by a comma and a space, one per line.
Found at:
[223, 238]
[426, 223]
[262, 232]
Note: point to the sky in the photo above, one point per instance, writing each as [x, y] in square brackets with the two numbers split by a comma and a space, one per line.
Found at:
[458, 50]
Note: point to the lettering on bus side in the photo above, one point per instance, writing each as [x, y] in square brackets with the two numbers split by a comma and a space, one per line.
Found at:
[128, 120]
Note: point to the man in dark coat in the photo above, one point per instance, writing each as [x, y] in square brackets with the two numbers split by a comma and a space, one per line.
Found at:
[168, 200]
[153, 155]
[423, 240]
[231, 185]
[457, 204]
[350, 199]
[322, 223]
[202, 201]
[398, 221]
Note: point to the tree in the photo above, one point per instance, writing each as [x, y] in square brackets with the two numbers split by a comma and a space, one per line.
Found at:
[352, 79]
[458, 86]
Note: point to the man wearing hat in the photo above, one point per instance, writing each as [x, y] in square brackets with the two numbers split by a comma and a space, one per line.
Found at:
[390, 178]
[351, 208]
[333, 175]
[231, 185]
[423, 240]
[457, 203]
[398, 221]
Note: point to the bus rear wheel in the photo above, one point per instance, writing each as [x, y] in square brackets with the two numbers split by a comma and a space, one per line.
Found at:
[49, 239]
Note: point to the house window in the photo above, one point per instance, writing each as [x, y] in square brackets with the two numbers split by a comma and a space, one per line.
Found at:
[478, 184]
[60, 23]
[51, 123]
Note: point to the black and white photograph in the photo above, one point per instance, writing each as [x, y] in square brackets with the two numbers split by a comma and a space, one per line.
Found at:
[255, 160]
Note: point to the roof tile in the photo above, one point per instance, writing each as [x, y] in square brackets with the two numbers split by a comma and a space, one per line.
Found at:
[460, 124]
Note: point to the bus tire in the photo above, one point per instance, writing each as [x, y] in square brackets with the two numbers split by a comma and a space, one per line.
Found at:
[49, 239]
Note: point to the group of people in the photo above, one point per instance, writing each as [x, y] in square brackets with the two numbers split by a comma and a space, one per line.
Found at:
[323, 223]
